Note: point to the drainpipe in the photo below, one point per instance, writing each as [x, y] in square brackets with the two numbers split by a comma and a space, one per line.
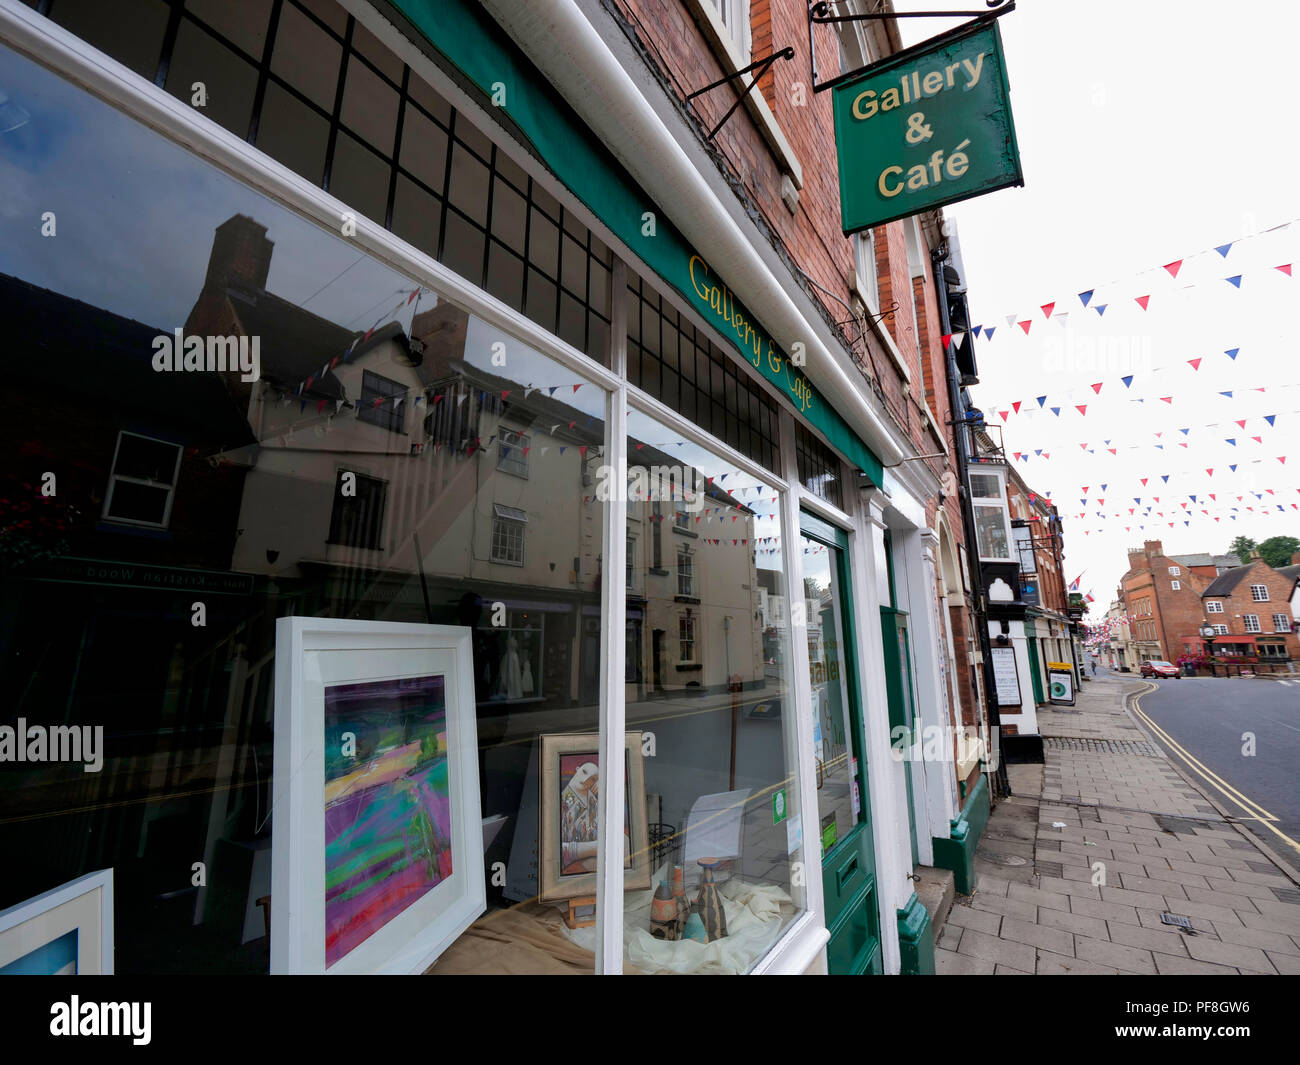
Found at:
[961, 439]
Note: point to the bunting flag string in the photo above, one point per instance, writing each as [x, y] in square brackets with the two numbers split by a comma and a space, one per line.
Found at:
[1087, 296]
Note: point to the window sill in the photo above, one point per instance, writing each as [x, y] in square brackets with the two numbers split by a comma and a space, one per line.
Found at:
[690, 667]
[680, 531]
[654, 571]
[153, 532]
[694, 600]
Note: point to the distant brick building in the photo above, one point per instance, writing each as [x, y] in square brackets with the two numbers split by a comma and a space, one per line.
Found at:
[1163, 595]
[1250, 609]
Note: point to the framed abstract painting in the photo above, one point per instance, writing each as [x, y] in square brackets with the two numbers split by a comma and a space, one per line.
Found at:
[67, 931]
[570, 800]
[377, 838]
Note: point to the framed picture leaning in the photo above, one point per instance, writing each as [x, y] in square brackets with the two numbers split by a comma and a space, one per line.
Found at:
[377, 839]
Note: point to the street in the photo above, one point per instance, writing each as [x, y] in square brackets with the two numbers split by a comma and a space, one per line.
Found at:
[1214, 720]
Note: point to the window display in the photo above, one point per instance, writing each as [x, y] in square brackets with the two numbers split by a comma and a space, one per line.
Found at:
[711, 696]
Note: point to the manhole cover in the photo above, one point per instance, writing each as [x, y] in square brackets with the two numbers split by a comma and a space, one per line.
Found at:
[1005, 859]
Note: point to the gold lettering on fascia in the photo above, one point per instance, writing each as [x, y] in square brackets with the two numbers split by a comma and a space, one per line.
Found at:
[914, 86]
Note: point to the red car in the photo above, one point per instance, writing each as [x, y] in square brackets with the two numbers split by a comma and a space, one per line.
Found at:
[1160, 669]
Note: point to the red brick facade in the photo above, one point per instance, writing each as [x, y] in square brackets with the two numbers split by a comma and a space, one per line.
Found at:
[1161, 612]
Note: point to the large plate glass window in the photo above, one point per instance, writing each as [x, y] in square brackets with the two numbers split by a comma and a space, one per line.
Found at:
[709, 691]
[285, 489]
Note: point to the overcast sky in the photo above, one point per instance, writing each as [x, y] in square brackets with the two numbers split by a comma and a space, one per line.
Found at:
[1148, 132]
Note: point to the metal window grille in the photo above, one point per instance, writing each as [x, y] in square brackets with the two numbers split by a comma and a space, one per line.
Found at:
[819, 469]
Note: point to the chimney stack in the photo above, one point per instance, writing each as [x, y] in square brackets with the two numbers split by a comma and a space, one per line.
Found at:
[241, 255]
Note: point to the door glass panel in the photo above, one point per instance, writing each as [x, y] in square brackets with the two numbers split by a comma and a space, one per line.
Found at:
[839, 803]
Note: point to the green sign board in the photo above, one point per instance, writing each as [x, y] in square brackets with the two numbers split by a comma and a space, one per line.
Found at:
[928, 127]
[778, 806]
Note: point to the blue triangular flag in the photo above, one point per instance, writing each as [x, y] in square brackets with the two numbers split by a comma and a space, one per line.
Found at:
[1137, 500]
[1232, 353]
[988, 332]
[1184, 431]
[1038, 451]
[1084, 297]
[1128, 381]
[1103, 488]
[1231, 440]
[1223, 249]
[1227, 393]
[1041, 401]
[1233, 468]
[1165, 477]
[1234, 281]
[1269, 418]
[1100, 309]
[1192, 498]
[1056, 411]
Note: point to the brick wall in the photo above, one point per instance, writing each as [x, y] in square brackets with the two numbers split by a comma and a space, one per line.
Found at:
[674, 43]
[1240, 602]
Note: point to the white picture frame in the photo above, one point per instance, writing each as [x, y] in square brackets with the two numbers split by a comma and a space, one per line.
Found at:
[387, 677]
[32, 930]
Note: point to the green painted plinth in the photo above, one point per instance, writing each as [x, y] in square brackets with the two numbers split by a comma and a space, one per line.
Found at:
[958, 851]
[916, 939]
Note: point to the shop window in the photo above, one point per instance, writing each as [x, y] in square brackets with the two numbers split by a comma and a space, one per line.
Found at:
[1251, 622]
[1259, 593]
[227, 82]
[263, 521]
[1281, 622]
[512, 452]
[819, 468]
[679, 365]
[131, 31]
[143, 481]
[508, 527]
[380, 402]
[1213, 606]
[714, 676]
[357, 520]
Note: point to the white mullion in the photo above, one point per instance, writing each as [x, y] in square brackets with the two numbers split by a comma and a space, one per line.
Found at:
[613, 692]
[799, 741]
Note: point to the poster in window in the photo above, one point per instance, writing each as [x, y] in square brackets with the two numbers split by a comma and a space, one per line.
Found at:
[377, 851]
[67, 931]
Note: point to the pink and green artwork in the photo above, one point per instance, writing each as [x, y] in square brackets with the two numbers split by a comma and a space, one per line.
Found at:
[387, 804]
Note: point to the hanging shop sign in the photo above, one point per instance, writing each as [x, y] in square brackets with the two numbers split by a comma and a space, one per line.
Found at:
[925, 128]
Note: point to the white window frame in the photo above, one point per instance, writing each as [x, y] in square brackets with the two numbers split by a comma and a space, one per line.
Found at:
[1213, 606]
[1220, 630]
[1174, 571]
[512, 521]
[866, 278]
[516, 440]
[1177, 586]
[114, 477]
[686, 574]
[630, 562]
[687, 633]
[1259, 593]
[1285, 622]
[1000, 502]
[1251, 622]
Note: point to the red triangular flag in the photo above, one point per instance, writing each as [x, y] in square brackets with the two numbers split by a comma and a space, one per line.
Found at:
[1195, 364]
[1016, 405]
[1142, 301]
[1210, 472]
[1004, 414]
[1047, 309]
[1167, 399]
[1144, 482]
[945, 339]
[1025, 326]
[1173, 267]
[1285, 268]
[1082, 408]
[1097, 387]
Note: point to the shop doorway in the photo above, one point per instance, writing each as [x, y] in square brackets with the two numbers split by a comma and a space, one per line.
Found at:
[843, 828]
[902, 705]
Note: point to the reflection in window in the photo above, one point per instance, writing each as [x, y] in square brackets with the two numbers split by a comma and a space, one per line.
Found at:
[144, 473]
[508, 525]
[513, 453]
[710, 678]
[238, 494]
[991, 532]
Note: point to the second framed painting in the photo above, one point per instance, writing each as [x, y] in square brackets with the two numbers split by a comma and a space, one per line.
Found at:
[570, 801]
[377, 853]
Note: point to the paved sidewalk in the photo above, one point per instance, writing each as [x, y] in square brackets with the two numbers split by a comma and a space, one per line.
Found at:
[1134, 840]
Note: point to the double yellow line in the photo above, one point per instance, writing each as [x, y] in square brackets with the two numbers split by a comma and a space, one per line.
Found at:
[1253, 811]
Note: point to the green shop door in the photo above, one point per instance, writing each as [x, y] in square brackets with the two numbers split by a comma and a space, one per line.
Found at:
[843, 812]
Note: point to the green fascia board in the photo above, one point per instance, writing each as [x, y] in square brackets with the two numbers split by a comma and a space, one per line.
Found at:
[915, 939]
[482, 52]
[957, 852]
